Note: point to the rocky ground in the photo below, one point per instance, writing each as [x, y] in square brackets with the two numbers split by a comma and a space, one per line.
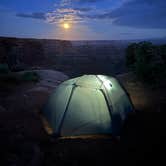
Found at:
[144, 97]
[24, 141]
[31, 95]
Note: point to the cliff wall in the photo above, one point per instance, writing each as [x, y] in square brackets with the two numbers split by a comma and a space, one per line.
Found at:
[18, 53]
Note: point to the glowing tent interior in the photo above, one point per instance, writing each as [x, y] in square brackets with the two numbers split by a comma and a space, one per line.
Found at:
[87, 105]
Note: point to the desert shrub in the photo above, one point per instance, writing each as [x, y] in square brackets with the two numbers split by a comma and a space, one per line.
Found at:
[30, 76]
[147, 61]
[4, 68]
[17, 78]
[162, 52]
[131, 55]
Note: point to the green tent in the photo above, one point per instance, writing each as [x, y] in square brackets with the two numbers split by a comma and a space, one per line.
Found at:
[87, 105]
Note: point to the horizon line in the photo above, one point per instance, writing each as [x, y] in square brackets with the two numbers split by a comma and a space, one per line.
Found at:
[82, 39]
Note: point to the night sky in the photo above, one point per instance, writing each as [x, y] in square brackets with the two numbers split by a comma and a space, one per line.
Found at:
[87, 19]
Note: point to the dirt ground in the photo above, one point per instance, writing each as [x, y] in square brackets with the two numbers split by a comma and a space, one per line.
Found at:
[144, 97]
[24, 142]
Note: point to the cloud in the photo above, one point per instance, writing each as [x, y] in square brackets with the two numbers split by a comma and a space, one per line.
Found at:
[135, 13]
[36, 15]
[69, 11]
[83, 9]
[140, 14]
[68, 14]
[131, 13]
[90, 1]
[61, 14]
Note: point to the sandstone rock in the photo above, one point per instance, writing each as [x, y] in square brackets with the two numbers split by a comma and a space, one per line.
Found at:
[33, 96]
[49, 80]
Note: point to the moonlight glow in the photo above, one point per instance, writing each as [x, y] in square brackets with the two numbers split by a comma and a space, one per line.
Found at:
[66, 26]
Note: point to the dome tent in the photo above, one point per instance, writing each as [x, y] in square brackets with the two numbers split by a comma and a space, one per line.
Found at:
[87, 105]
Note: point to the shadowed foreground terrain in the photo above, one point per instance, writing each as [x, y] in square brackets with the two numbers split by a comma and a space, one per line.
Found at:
[24, 141]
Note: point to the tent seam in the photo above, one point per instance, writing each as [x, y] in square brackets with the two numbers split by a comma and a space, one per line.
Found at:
[66, 109]
[109, 109]
[108, 99]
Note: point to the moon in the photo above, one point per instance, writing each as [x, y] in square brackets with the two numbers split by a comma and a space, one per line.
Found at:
[66, 26]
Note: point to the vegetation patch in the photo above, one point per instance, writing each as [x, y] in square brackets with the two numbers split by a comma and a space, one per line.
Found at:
[8, 77]
[148, 61]
[4, 69]
[30, 76]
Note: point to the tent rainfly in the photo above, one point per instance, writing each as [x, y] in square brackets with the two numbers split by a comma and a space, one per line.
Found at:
[88, 105]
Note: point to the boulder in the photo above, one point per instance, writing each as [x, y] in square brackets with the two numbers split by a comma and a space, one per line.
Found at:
[32, 96]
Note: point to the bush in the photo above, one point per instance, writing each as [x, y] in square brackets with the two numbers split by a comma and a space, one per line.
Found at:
[4, 68]
[130, 55]
[147, 61]
[162, 52]
[30, 76]
[17, 78]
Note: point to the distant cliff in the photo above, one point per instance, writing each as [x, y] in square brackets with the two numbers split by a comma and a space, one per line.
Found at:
[18, 53]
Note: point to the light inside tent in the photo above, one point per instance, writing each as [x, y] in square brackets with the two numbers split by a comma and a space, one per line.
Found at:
[107, 83]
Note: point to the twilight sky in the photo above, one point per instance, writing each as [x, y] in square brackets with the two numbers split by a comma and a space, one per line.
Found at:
[88, 19]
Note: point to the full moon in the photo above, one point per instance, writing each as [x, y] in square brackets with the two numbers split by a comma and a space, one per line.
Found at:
[66, 26]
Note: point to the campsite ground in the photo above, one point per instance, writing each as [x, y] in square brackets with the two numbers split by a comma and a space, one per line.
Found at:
[24, 141]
